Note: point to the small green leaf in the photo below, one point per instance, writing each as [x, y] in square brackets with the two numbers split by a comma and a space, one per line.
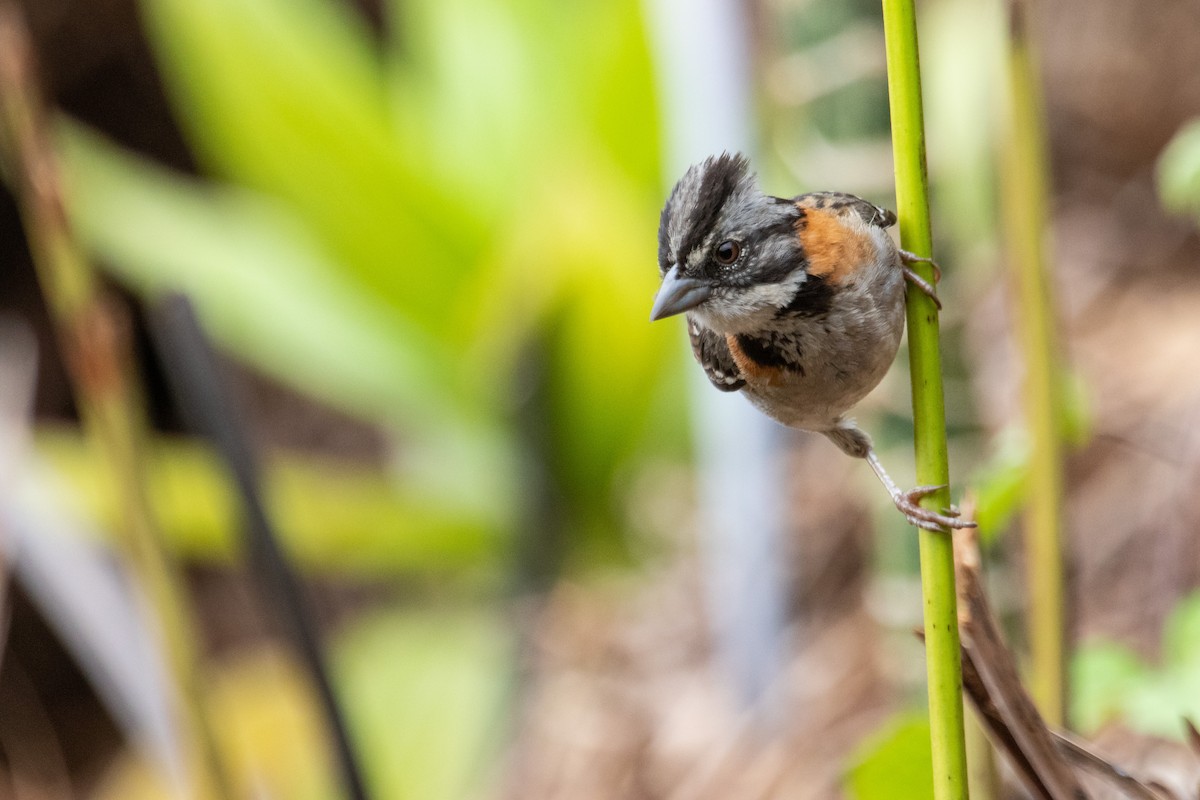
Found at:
[1102, 676]
[1179, 171]
[895, 762]
[1000, 483]
[1110, 682]
[1181, 635]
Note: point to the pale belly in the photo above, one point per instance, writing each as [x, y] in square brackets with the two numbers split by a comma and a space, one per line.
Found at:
[843, 356]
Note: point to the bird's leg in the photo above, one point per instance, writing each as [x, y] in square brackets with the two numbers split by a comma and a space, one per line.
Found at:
[908, 502]
[853, 441]
[912, 277]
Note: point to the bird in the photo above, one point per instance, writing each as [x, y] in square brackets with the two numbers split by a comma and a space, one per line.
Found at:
[796, 303]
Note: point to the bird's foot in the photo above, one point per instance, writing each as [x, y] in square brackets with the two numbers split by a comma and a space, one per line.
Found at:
[912, 258]
[908, 503]
[924, 286]
[916, 280]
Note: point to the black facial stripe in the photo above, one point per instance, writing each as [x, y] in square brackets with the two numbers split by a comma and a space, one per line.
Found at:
[784, 227]
[721, 176]
[665, 257]
[779, 270]
[813, 299]
[664, 245]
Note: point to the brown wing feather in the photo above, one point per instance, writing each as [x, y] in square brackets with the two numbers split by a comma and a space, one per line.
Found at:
[840, 202]
[712, 352]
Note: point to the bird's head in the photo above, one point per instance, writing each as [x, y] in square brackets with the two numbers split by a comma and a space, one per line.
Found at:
[727, 252]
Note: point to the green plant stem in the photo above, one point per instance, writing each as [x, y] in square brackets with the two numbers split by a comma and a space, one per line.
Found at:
[94, 343]
[982, 773]
[943, 664]
[1025, 208]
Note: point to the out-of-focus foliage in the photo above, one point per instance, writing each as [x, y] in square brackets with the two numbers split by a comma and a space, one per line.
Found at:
[264, 284]
[895, 762]
[399, 227]
[1179, 171]
[1110, 682]
[399, 222]
[962, 55]
[424, 691]
[422, 722]
[268, 731]
[333, 516]
[1001, 483]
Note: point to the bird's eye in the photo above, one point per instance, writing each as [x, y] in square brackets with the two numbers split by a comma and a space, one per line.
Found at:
[728, 252]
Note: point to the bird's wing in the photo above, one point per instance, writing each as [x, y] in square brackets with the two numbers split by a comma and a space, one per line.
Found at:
[839, 202]
[713, 354]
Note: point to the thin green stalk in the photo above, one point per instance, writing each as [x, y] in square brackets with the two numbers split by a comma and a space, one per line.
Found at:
[943, 663]
[1025, 208]
[983, 776]
[95, 347]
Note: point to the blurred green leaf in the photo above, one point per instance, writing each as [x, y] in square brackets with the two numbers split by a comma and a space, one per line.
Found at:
[332, 517]
[470, 67]
[962, 48]
[1111, 682]
[424, 693]
[262, 286]
[1181, 634]
[288, 97]
[1000, 483]
[1179, 171]
[483, 182]
[268, 730]
[1102, 676]
[606, 358]
[895, 762]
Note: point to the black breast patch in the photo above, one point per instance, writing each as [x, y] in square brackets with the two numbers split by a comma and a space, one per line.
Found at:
[762, 351]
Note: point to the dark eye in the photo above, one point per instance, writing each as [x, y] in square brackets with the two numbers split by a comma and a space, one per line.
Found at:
[728, 252]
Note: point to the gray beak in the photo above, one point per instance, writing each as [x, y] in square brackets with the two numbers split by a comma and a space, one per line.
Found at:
[677, 295]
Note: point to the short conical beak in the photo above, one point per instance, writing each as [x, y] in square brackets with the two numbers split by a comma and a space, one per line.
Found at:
[678, 294]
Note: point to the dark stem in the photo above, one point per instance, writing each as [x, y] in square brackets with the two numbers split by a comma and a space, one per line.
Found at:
[192, 372]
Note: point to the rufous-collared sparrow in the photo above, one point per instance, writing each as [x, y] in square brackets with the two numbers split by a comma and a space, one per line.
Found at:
[797, 303]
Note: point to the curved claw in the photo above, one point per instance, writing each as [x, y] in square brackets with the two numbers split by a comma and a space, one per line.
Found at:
[908, 504]
[913, 258]
[924, 286]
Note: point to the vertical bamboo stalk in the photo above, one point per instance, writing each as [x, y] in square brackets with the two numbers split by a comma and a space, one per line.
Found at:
[94, 342]
[983, 776]
[1025, 209]
[943, 665]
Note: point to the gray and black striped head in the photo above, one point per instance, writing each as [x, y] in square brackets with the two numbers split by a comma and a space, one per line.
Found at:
[726, 250]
